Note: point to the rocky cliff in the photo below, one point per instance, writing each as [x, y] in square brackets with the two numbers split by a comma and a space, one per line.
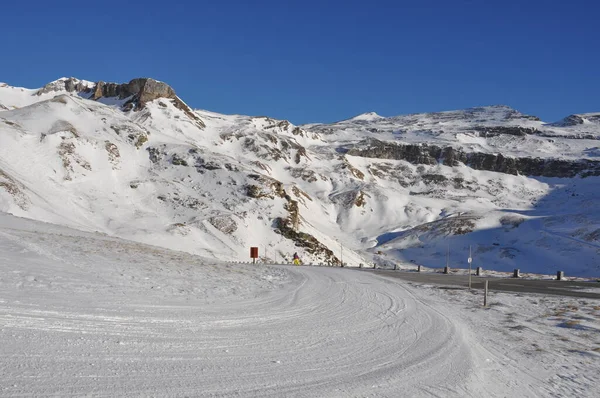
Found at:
[449, 156]
[138, 92]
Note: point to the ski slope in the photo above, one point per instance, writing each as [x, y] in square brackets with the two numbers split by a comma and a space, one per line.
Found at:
[85, 314]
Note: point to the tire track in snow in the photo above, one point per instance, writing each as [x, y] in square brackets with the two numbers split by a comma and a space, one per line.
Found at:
[329, 333]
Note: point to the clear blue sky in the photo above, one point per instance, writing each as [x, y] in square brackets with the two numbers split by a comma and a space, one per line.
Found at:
[318, 61]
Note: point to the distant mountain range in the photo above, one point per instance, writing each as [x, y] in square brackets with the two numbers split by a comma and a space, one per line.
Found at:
[133, 160]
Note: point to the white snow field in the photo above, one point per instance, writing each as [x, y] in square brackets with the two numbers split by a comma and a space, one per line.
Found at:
[217, 186]
[85, 314]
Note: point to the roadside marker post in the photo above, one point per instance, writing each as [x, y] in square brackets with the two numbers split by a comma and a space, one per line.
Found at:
[254, 253]
[470, 261]
[485, 293]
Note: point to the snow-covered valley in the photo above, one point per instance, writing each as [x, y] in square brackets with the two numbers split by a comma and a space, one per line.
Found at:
[126, 219]
[134, 161]
[85, 314]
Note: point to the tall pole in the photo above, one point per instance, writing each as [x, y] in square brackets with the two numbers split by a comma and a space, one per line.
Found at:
[485, 293]
[341, 254]
[470, 260]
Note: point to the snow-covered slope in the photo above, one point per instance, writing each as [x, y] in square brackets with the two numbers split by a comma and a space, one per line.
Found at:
[134, 161]
[84, 314]
[492, 129]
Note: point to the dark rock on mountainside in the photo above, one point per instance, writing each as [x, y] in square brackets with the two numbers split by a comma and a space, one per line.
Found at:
[575, 120]
[431, 154]
[309, 243]
[572, 120]
[71, 85]
[143, 89]
[506, 130]
[140, 91]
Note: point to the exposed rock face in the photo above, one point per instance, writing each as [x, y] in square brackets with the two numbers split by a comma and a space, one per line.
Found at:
[288, 228]
[15, 189]
[143, 89]
[431, 154]
[574, 120]
[140, 91]
[508, 130]
[268, 187]
[306, 241]
[149, 89]
[71, 85]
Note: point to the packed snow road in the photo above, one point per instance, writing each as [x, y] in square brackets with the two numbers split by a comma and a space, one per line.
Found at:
[332, 333]
[84, 314]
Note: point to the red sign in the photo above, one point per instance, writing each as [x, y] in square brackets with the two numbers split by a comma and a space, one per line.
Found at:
[254, 252]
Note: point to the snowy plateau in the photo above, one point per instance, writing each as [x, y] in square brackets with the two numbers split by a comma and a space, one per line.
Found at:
[127, 217]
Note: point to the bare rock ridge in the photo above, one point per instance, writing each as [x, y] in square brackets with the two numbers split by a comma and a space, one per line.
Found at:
[143, 89]
[138, 91]
[432, 154]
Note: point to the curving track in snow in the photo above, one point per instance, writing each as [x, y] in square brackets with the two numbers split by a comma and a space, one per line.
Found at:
[87, 315]
[331, 332]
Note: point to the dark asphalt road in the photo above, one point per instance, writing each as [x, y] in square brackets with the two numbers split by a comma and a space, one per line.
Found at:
[519, 285]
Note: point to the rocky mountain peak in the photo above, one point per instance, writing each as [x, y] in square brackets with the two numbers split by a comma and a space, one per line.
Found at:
[137, 93]
[368, 116]
[142, 91]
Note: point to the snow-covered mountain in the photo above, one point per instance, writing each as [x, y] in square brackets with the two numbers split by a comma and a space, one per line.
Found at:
[133, 160]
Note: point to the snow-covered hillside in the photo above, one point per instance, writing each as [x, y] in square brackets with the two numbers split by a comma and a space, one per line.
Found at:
[491, 129]
[134, 161]
[85, 314]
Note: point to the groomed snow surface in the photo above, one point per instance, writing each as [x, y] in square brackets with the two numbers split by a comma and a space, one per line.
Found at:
[84, 314]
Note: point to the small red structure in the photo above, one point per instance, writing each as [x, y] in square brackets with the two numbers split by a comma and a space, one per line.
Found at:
[254, 254]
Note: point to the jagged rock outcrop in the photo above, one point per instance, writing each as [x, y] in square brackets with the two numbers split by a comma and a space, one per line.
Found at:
[140, 91]
[493, 131]
[67, 84]
[432, 154]
[145, 89]
[267, 187]
[306, 241]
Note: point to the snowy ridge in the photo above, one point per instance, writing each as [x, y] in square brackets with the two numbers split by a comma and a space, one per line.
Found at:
[369, 116]
[147, 168]
[492, 129]
[579, 119]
